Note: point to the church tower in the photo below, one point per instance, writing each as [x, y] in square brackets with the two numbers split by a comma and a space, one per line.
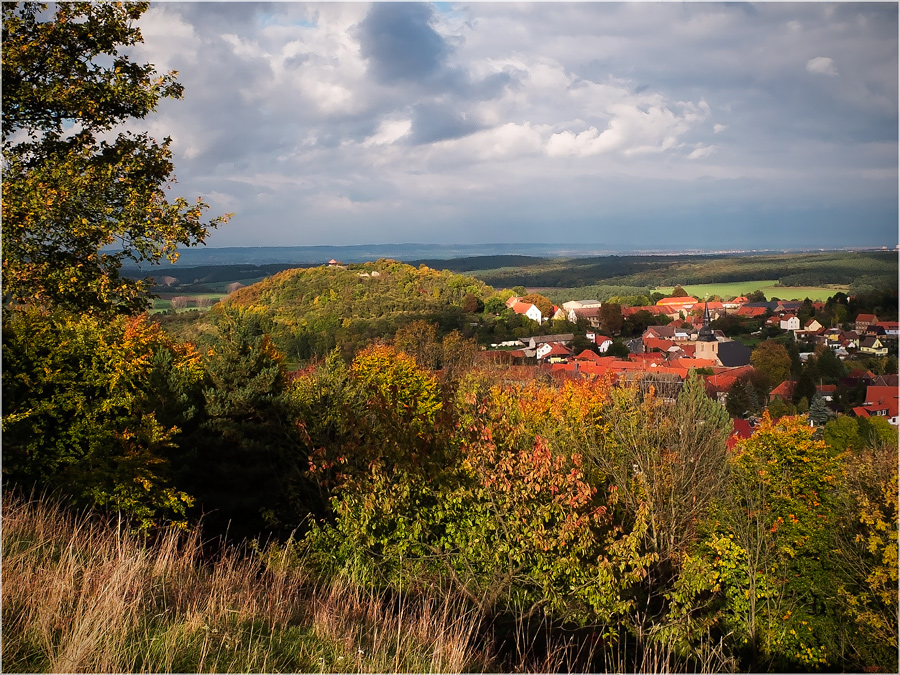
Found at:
[706, 332]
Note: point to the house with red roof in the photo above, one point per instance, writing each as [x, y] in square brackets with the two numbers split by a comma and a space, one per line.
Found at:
[676, 305]
[742, 431]
[652, 344]
[826, 391]
[812, 325]
[752, 312]
[602, 341]
[528, 309]
[784, 391]
[890, 328]
[553, 352]
[863, 321]
[789, 322]
[881, 402]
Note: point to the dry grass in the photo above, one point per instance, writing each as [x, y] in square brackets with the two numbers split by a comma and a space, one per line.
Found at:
[81, 595]
[84, 595]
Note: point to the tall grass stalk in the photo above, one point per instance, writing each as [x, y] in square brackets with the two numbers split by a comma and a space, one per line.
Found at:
[81, 594]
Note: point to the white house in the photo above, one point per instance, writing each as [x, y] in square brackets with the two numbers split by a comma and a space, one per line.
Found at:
[603, 343]
[528, 309]
[789, 322]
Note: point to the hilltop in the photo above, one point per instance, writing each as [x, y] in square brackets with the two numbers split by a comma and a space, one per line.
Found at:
[316, 308]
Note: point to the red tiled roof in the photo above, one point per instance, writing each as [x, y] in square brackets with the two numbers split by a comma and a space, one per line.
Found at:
[677, 301]
[883, 397]
[751, 311]
[522, 307]
[860, 412]
[557, 350]
[742, 430]
[785, 390]
[688, 349]
[658, 343]
[867, 318]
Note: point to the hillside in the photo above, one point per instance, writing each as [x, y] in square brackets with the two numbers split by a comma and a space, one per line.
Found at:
[875, 269]
[317, 308]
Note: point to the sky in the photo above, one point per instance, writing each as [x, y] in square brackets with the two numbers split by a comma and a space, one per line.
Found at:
[626, 125]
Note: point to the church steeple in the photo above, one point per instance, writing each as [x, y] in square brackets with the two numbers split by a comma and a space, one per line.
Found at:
[706, 332]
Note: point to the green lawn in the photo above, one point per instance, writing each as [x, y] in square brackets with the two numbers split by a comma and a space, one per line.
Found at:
[733, 289]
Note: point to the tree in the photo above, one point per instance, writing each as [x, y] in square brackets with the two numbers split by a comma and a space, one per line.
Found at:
[779, 516]
[77, 203]
[419, 339]
[240, 460]
[679, 292]
[818, 411]
[611, 318]
[772, 360]
[79, 417]
[472, 304]
[618, 348]
[742, 399]
[805, 387]
[494, 305]
[541, 302]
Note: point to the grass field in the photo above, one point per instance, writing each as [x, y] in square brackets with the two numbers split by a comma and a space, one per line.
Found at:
[769, 288]
[201, 301]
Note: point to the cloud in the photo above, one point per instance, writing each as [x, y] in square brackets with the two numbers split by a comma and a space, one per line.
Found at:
[822, 65]
[399, 43]
[347, 122]
[702, 152]
[632, 130]
[389, 132]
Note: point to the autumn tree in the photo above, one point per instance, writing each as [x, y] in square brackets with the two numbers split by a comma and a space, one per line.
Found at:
[419, 340]
[78, 201]
[79, 415]
[772, 360]
[541, 302]
[779, 519]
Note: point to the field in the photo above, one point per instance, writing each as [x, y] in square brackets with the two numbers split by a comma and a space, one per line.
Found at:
[192, 301]
[770, 288]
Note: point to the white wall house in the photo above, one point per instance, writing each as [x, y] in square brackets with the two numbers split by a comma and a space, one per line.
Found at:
[789, 322]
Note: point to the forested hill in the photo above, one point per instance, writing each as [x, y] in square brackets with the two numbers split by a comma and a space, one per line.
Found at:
[317, 308]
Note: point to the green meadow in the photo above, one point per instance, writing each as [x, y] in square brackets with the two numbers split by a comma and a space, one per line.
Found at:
[770, 288]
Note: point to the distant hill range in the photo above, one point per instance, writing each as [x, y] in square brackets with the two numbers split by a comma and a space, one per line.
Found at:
[318, 255]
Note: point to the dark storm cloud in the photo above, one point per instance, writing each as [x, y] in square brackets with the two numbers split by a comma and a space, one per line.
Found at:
[400, 43]
[432, 122]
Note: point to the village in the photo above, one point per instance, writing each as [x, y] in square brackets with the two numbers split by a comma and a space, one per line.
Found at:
[663, 355]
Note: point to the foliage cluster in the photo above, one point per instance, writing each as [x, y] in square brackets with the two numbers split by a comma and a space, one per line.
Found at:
[78, 201]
